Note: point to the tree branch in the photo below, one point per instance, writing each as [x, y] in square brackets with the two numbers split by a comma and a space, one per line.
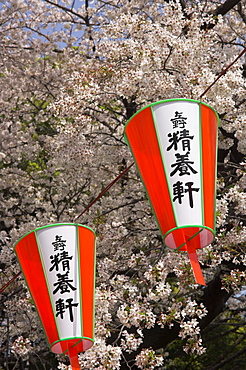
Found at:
[214, 300]
[225, 7]
[227, 360]
[71, 11]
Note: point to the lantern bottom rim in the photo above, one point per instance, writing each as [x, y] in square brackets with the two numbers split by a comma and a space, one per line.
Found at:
[62, 346]
[177, 237]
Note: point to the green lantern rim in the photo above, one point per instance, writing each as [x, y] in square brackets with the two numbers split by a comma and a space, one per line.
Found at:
[40, 319]
[168, 101]
[200, 104]
[201, 227]
[80, 339]
[52, 225]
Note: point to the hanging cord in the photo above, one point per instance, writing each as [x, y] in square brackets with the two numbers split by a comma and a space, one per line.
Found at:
[123, 173]
[223, 72]
[127, 169]
[9, 282]
[105, 190]
[76, 218]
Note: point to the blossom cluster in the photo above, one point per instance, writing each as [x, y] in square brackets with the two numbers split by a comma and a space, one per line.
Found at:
[147, 359]
[188, 318]
[21, 346]
[70, 79]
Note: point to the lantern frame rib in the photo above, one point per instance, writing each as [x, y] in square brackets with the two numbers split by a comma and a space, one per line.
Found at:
[58, 264]
[174, 146]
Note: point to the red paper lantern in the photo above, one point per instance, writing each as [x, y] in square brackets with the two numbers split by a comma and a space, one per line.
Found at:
[174, 144]
[58, 262]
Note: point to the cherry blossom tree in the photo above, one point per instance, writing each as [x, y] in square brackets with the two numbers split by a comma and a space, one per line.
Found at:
[72, 74]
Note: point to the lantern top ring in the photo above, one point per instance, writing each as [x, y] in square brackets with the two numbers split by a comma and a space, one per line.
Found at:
[169, 101]
[54, 225]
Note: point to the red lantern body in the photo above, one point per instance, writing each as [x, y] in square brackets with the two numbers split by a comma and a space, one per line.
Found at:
[174, 144]
[58, 262]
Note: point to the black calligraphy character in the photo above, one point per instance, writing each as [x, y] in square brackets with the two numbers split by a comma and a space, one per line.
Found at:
[178, 191]
[177, 136]
[65, 264]
[58, 243]
[62, 258]
[190, 190]
[63, 284]
[183, 165]
[70, 306]
[55, 262]
[60, 307]
[174, 139]
[185, 137]
[178, 121]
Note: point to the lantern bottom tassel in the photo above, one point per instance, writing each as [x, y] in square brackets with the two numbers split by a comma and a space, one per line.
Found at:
[191, 250]
[73, 356]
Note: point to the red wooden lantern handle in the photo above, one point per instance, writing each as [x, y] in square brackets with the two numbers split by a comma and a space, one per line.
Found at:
[191, 249]
[73, 356]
